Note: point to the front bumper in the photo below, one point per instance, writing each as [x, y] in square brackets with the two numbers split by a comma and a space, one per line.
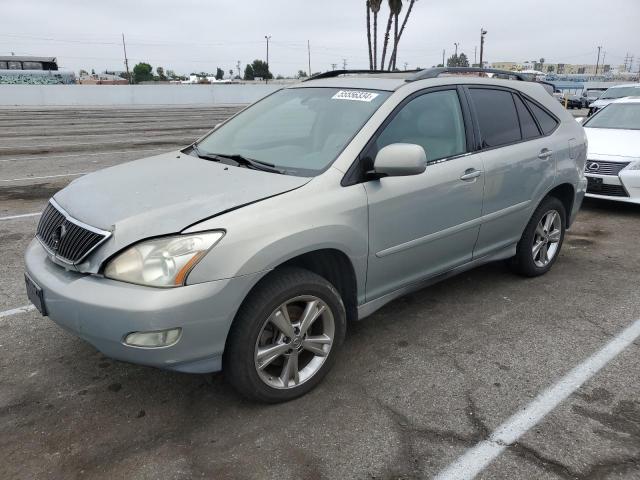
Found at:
[627, 182]
[103, 311]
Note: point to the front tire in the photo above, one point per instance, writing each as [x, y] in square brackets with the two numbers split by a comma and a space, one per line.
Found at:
[541, 240]
[285, 336]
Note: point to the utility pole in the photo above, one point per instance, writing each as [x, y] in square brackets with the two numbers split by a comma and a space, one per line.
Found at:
[334, 66]
[405, 65]
[456, 44]
[598, 61]
[443, 52]
[266, 79]
[483, 32]
[344, 63]
[238, 67]
[309, 55]
[626, 60]
[126, 61]
[604, 53]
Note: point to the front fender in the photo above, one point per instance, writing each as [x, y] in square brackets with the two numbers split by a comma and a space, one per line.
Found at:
[320, 215]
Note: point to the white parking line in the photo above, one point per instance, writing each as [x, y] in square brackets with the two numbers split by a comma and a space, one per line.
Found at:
[24, 215]
[15, 311]
[480, 456]
[48, 176]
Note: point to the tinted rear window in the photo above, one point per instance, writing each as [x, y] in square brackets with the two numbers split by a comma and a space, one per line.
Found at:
[545, 120]
[527, 123]
[497, 117]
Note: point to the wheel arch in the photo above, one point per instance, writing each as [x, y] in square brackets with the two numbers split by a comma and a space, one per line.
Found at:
[330, 263]
[566, 193]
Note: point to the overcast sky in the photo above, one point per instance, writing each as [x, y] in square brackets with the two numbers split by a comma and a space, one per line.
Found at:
[198, 35]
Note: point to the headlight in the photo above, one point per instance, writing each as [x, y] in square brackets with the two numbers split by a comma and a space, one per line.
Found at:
[634, 166]
[161, 262]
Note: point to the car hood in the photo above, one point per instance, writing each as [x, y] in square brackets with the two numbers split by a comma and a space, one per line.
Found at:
[165, 194]
[602, 103]
[613, 142]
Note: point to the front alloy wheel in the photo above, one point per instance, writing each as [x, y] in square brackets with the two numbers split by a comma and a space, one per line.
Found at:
[294, 342]
[284, 338]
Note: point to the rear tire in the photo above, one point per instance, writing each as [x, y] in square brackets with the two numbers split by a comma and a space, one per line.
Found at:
[541, 241]
[272, 355]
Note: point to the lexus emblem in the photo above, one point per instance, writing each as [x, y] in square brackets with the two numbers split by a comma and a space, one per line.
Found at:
[593, 166]
[57, 236]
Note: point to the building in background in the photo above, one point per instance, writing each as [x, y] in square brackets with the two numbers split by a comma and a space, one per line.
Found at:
[102, 79]
[27, 70]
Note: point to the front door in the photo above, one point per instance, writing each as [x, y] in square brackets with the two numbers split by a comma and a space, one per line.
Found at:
[424, 224]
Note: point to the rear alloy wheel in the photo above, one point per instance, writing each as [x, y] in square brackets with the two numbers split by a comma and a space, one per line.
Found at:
[541, 240]
[546, 238]
[285, 336]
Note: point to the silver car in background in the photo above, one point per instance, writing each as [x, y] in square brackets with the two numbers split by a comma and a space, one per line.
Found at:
[250, 250]
[612, 94]
[613, 158]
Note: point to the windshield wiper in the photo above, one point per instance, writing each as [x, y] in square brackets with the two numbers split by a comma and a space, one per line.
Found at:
[239, 159]
[249, 162]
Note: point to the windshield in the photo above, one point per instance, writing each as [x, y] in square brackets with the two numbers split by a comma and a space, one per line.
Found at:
[594, 93]
[617, 115]
[300, 131]
[620, 92]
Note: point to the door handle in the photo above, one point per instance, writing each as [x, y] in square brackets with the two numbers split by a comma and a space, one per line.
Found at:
[471, 174]
[544, 154]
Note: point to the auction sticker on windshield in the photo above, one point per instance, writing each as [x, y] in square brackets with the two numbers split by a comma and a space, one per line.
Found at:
[357, 95]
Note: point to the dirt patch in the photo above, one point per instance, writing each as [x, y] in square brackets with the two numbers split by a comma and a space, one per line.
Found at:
[580, 242]
[38, 191]
[12, 237]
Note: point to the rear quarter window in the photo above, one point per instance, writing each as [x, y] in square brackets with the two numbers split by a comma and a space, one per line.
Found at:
[527, 123]
[547, 123]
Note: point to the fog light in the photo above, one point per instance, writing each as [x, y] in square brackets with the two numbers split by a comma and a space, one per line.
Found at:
[160, 338]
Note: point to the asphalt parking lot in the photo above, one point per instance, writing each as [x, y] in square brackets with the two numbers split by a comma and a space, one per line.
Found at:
[415, 386]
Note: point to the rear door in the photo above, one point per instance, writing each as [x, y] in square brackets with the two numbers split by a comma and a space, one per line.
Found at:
[518, 159]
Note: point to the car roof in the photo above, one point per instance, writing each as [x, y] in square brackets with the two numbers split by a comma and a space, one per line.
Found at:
[391, 81]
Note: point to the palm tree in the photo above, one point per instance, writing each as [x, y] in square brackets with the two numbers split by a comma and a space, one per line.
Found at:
[394, 54]
[369, 34]
[375, 5]
[394, 9]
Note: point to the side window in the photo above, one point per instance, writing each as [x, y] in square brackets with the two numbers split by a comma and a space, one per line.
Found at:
[527, 123]
[433, 120]
[546, 121]
[497, 116]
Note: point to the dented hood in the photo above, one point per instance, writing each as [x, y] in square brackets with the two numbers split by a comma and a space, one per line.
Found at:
[165, 194]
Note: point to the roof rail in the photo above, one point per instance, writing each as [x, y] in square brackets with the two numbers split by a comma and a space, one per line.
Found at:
[336, 73]
[436, 72]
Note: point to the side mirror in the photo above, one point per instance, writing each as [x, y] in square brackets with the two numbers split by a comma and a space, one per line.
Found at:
[400, 159]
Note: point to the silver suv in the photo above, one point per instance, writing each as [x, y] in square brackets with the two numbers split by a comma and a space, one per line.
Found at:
[250, 250]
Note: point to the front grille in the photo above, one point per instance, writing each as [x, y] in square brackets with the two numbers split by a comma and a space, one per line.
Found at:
[65, 237]
[598, 167]
[604, 189]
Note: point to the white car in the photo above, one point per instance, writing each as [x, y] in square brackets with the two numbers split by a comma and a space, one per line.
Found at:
[613, 156]
[614, 93]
